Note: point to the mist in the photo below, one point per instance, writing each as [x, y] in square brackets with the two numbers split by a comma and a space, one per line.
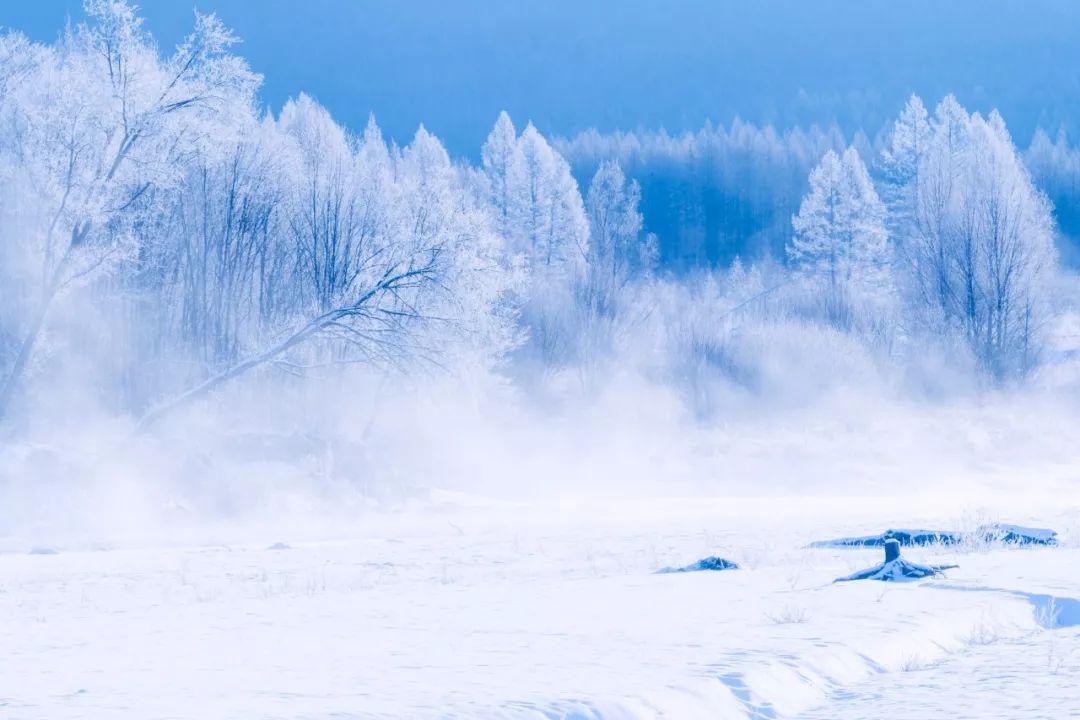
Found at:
[265, 353]
[220, 314]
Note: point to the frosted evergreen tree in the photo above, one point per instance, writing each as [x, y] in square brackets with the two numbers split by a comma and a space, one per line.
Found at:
[556, 228]
[504, 168]
[536, 204]
[840, 237]
[537, 209]
[906, 149]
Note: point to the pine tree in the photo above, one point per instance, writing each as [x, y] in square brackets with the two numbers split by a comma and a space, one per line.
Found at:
[504, 168]
[907, 147]
[556, 229]
[538, 211]
[840, 237]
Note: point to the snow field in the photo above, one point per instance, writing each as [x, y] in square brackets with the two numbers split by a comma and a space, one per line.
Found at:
[533, 615]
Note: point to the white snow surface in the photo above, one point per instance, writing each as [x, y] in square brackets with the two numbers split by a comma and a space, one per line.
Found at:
[474, 608]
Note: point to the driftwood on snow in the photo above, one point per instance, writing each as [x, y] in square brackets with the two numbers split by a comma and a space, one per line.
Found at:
[709, 563]
[994, 533]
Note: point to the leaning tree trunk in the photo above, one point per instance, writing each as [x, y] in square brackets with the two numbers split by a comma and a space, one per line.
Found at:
[234, 371]
[390, 283]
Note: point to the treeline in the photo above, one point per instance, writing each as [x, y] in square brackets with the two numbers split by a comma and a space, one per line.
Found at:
[726, 192]
[716, 194]
[1055, 165]
[162, 236]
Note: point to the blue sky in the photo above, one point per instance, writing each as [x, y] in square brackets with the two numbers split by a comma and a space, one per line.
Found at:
[573, 64]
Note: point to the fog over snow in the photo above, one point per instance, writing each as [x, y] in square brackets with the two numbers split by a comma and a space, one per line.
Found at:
[371, 359]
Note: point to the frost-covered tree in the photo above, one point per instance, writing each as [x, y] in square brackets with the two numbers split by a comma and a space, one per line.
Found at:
[222, 252]
[537, 207]
[322, 204]
[620, 258]
[840, 240]
[95, 129]
[555, 226]
[466, 310]
[535, 201]
[980, 252]
[617, 249]
[504, 168]
[906, 147]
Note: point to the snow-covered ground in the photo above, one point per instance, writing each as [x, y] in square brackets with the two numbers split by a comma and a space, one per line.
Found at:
[483, 609]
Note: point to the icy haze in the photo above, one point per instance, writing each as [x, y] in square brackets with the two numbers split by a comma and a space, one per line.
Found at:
[371, 359]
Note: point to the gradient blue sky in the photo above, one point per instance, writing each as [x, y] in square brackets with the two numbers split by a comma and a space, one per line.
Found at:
[573, 64]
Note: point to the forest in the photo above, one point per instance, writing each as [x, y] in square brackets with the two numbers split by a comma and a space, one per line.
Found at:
[166, 238]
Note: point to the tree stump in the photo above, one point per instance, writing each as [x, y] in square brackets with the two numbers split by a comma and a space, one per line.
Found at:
[895, 568]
